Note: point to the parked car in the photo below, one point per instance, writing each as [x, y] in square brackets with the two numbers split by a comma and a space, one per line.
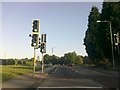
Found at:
[70, 65]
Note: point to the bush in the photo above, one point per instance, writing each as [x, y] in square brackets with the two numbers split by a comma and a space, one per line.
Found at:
[8, 62]
[24, 62]
[29, 63]
[105, 64]
[20, 62]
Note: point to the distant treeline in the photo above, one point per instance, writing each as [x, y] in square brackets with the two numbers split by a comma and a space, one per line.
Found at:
[68, 58]
[12, 62]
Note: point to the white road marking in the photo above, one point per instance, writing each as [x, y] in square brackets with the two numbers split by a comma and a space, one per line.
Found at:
[54, 71]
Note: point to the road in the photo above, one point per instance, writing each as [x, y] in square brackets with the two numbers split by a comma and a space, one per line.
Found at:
[79, 77]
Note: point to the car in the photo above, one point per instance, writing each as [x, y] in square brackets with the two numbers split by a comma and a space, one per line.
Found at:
[70, 65]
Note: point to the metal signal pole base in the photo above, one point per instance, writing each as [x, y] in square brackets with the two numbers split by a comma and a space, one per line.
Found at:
[42, 63]
[34, 63]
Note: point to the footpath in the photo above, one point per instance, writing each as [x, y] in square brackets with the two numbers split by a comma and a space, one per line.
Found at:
[26, 80]
[115, 73]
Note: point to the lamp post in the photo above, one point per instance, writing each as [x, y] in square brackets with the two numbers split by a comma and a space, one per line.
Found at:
[111, 39]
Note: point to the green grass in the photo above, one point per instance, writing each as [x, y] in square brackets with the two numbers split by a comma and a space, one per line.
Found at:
[11, 71]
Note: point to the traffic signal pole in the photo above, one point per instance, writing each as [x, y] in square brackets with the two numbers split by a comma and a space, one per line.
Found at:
[42, 63]
[43, 49]
[35, 40]
[35, 43]
[34, 63]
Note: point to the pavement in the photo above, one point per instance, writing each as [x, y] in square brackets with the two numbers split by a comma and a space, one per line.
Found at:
[99, 69]
[26, 80]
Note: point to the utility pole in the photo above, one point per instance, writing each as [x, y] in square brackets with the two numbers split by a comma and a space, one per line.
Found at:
[5, 57]
[53, 50]
[5, 54]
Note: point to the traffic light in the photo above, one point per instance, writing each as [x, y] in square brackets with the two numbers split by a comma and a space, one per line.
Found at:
[43, 48]
[35, 26]
[35, 33]
[35, 40]
[43, 38]
[43, 43]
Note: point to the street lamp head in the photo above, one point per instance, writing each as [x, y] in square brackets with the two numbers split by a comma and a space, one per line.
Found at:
[98, 21]
[103, 21]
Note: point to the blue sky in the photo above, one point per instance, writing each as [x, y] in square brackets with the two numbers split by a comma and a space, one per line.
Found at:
[65, 24]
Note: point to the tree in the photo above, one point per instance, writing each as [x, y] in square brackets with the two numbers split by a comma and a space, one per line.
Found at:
[110, 12]
[47, 59]
[86, 60]
[79, 60]
[51, 59]
[70, 58]
[90, 40]
[98, 39]
[62, 61]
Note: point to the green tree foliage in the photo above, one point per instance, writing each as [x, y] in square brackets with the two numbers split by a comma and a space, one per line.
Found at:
[62, 61]
[68, 58]
[47, 59]
[90, 40]
[86, 60]
[51, 59]
[79, 60]
[14, 61]
[97, 38]
[110, 12]
[8, 62]
[19, 62]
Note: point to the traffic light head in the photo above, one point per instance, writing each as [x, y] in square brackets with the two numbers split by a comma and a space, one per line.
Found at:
[42, 45]
[43, 38]
[35, 33]
[43, 48]
[35, 26]
[35, 40]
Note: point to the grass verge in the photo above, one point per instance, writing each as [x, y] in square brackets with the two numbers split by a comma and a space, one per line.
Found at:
[11, 71]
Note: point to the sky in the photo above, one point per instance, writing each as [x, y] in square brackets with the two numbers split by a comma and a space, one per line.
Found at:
[65, 24]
